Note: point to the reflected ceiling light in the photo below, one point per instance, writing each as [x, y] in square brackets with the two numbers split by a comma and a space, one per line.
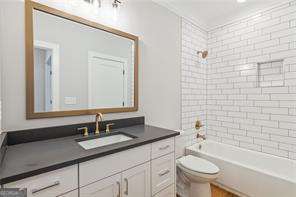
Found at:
[116, 3]
[241, 1]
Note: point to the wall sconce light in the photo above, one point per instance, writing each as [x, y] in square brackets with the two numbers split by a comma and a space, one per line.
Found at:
[98, 2]
[115, 3]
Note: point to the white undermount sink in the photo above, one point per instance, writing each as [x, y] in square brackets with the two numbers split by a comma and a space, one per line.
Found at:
[103, 141]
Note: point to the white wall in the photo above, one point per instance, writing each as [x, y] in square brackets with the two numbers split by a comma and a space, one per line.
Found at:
[159, 31]
[1, 64]
[239, 112]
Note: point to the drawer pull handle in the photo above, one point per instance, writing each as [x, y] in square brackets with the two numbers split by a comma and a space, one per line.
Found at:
[119, 191]
[56, 183]
[164, 172]
[164, 147]
[126, 189]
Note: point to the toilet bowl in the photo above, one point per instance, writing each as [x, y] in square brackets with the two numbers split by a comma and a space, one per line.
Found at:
[198, 173]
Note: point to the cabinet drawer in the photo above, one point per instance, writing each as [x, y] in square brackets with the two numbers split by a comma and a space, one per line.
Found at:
[50, 184]
[162, 147]
[97, 169]
[167, 192]
[163, 172]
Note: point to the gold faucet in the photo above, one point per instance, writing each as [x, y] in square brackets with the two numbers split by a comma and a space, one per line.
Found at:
[108, 129]
[99, 117]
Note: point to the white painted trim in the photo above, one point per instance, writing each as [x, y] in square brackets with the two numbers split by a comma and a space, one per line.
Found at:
[92, 54]
[55, 70]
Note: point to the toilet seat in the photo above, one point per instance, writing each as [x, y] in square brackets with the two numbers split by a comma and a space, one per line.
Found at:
[198, 165]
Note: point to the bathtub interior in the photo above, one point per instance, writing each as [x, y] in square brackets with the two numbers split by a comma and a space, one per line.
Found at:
[272, 165]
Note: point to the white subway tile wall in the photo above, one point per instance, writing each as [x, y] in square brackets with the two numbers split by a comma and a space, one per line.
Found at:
[239, 111]
[193, 75]
[270, 74]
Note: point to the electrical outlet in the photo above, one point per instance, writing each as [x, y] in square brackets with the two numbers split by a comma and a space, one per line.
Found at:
[70, 100]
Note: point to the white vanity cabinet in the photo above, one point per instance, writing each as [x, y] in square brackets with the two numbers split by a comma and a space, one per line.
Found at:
[136, 181]
[108, 187]
[70, 194]
[50, 184]
[167, 192]
[163, 168]
[100, 168]
[143, 171]
[163, 172]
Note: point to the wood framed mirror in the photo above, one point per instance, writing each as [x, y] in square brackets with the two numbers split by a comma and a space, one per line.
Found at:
[77, 67]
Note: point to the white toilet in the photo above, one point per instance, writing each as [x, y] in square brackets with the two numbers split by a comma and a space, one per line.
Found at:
[198, 173]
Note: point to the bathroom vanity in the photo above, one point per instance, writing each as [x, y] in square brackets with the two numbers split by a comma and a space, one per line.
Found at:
[141, 167]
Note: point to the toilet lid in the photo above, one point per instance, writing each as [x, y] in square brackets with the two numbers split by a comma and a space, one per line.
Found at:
[198, 164]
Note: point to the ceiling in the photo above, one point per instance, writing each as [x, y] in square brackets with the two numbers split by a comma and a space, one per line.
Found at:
[211, 13]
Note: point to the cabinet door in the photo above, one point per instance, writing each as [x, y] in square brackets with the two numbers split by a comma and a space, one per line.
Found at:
[70, 194]
[108, 187]
[136, 181]
[167, 192]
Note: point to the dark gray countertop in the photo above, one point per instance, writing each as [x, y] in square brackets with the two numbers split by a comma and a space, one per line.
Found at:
[29, 159]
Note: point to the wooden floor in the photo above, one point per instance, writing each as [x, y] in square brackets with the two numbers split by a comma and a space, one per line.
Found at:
[219, 192]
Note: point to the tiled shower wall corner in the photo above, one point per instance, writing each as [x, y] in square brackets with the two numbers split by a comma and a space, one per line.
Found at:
[193, 82]
[193, 75]
[238, 110]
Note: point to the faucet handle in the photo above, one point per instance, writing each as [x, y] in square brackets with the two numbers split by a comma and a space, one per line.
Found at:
[84, 129]
[99, 117]
[108, 129]
[202, 136]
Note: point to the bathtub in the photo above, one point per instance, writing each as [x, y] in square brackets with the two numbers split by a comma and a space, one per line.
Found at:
[249, 173]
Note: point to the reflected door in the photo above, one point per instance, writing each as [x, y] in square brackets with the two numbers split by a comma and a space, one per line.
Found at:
[106, 87]
[43, 78]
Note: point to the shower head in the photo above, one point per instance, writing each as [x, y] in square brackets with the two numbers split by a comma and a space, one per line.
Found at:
[204, 54]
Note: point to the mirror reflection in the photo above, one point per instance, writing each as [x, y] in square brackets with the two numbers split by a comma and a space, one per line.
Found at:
[79, 67]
